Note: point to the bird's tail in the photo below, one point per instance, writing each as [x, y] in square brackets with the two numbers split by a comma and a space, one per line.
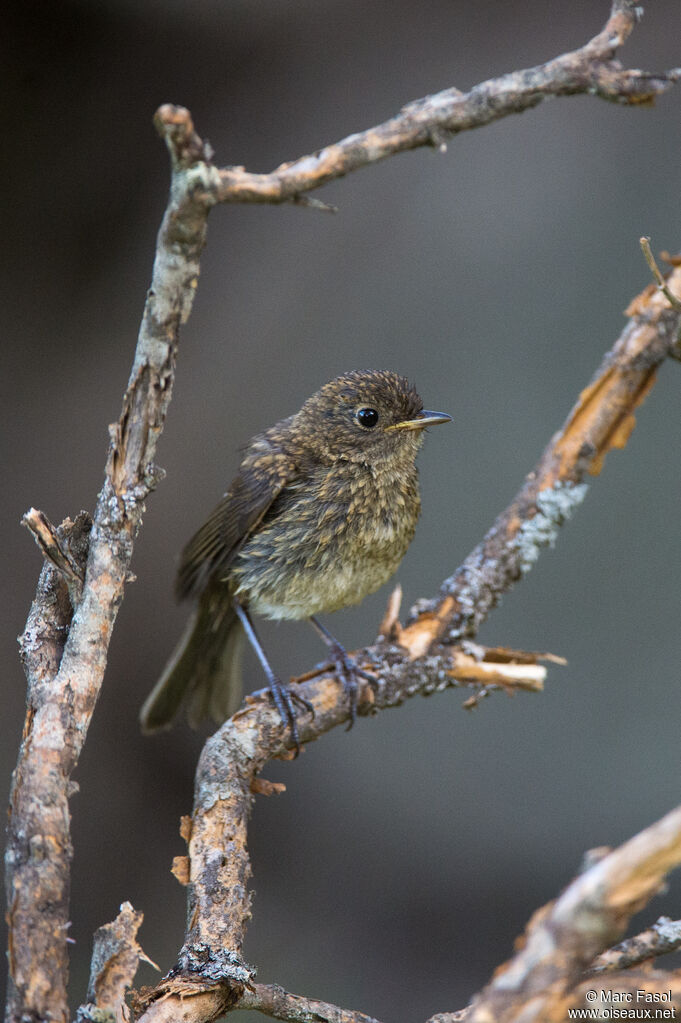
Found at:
[204, 671]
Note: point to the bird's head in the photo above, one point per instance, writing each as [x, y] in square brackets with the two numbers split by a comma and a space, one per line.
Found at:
[365, 414]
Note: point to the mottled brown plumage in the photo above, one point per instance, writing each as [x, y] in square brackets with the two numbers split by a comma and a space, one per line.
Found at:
[319, 515]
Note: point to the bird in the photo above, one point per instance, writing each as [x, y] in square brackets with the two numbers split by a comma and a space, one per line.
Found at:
[319, 515]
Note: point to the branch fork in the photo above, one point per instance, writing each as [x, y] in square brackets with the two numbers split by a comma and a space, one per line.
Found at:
[424, 661]
[65, 643]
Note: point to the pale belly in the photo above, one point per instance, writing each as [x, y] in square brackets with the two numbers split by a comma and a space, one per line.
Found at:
[342, 584]
[320, 570]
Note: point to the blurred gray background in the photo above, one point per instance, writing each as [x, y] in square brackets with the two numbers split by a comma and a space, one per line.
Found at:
[406, 855]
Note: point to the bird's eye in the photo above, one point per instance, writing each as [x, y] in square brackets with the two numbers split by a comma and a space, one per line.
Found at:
[367, 417]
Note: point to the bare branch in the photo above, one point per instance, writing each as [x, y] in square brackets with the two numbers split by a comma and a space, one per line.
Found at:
[38, 854]
[660, 939]
[65, 653]
[219, 901]
[434, 119]
[47, 538]
[563, 938]
[115, 956]
[195, 1004]
[603, 418]
[65, 648]
[274, 1001]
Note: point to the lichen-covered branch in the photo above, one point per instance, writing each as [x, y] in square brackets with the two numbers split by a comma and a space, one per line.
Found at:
[38, 854]
[66, 640]
[407, 661]
[659, 940]
[217, 869]
[65, 647]
[602, 418]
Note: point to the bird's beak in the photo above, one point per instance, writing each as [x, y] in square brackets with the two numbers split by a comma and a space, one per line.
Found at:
[422, 420]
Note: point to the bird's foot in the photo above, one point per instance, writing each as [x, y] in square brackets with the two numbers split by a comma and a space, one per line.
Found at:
[348, 672]
[285, 699]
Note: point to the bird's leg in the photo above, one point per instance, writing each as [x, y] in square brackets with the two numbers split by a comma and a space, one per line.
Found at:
[346, 669]
[282, 695]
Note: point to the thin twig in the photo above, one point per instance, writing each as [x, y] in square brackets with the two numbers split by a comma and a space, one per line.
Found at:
[275, 1001]
[663, 286]
[47, 538]
[660, 939]
[674, 302]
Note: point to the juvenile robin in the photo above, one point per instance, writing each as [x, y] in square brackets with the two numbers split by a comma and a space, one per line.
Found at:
[319, 515]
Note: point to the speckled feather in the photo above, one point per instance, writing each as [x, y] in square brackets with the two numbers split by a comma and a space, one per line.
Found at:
[329, 539]
[319, 516]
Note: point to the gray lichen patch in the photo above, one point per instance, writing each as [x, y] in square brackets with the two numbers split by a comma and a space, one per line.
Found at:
[554, 507]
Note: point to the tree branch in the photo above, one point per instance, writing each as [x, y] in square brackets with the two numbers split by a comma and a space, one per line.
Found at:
[660, 939]
[64, 647]
[38, 854]
[274, 1001]
[602, 418]
[49, 542]
[218, 867]
[65, 650]
[196, 1005]
[563, 938]
[219, 901]
[115, 957]
[431, 121]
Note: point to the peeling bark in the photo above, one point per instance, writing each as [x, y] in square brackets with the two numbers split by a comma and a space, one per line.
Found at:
[65, 644]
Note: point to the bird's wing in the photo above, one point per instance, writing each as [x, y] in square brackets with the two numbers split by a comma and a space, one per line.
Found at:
[262, 476]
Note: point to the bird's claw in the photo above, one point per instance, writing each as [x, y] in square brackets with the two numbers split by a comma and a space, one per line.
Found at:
[284, 700]
[345, 668]
[347, 671]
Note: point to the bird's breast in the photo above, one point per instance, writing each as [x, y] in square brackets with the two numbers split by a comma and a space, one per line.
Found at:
[328, 541]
